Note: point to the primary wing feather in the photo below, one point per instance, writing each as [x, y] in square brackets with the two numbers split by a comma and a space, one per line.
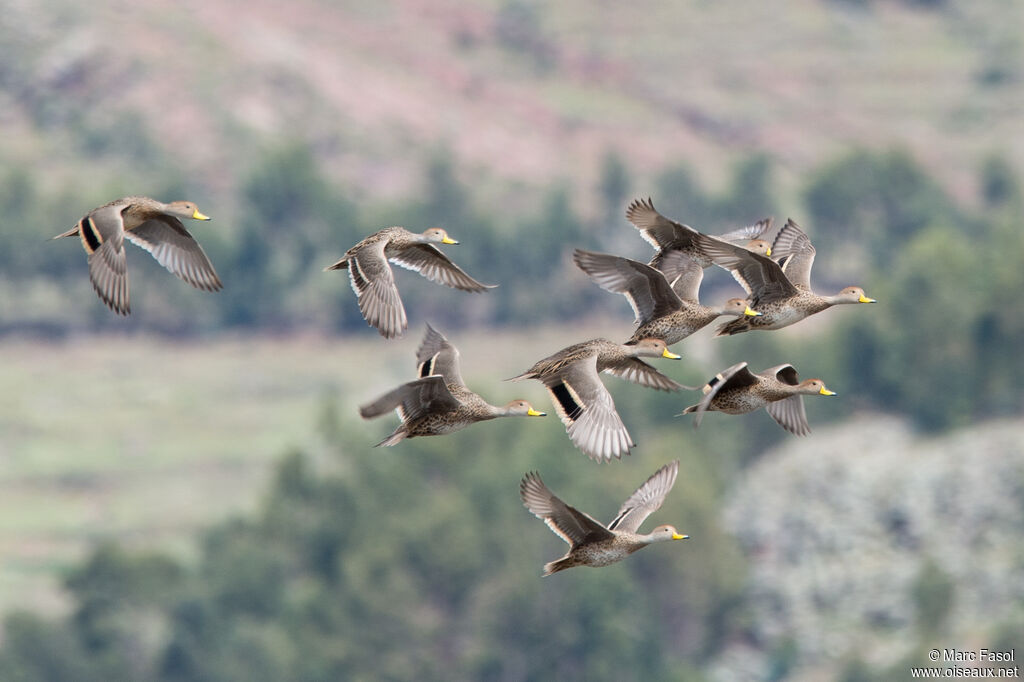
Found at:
[430, 262]
[374, 284]
[413, 399]
[659, 231]
[745, 234]
[790, 414]
[108, 270]
[437, 355]
[166, 238]
[568, 523]
[646, 288]
[586, 408]
[795, 253]
[639, 372]
[646, 499]
[682, 272]
[761, 277]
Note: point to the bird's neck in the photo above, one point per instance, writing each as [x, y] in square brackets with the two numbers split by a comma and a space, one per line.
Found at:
[649, 539]
[493, 411]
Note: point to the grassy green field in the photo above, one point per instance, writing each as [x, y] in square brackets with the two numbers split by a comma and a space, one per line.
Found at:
[146, 440]
[142, 441]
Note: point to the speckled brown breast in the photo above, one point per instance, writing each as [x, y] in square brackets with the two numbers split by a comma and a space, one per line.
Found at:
[737, 401]
[676, 326]
[472, 409]
[605, 552]
[779, 314]
[438, 424]
[784, 313]
[750, 398]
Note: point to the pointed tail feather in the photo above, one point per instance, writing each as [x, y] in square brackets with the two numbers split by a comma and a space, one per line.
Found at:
[733, 327]
[394, 439]
[340, 265]
[556, 566]
[73, 232]
[694, 409]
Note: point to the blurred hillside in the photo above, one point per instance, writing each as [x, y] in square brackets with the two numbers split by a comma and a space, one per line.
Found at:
[522, 127]
[522, 92]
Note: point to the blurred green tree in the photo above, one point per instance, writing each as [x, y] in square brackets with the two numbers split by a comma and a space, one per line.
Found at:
[933, 592]
[289, 213]
[427, 570]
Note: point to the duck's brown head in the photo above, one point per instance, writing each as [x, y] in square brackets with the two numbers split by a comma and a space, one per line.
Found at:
[521, 408]
[738, 307]
[665, 533]
[814, 387]
[852, 295]
[438, 235]
[760, 247]
[653, 348]
[185, 209]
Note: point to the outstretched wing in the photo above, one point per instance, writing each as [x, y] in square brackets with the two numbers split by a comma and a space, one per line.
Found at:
[761, 277]
[758, 230]
[639, 372]
[795, 254]
[646, 288]
[430, 262]
[790, 414]
[102, 233]
[683, 273]
[659, 231]
[785, 373]
[588, 412]
[436, 355]
[568, 523]
[166, 238]
[646, 500]
[413, 399]
[374, 284]
[736, 376]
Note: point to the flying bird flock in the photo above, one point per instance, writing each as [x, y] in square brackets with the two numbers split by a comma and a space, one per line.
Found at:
[772, 266]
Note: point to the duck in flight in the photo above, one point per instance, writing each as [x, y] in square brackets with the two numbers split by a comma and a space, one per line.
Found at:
[584, 404]
[780, 291]
[438, 402]
[779, 390]
[590, 542]
[151, 225]
[665, 310]
[374, 282]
